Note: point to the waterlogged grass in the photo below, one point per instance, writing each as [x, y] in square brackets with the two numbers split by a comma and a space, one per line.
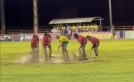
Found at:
[115, 64]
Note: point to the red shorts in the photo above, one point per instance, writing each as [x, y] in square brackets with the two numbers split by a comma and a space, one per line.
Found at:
[96, 45]
[46, 45]
[33, 46]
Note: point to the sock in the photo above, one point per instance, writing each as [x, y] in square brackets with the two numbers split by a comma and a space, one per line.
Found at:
[96, 55]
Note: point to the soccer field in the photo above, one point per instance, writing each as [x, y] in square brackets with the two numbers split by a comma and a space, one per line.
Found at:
[115, 64]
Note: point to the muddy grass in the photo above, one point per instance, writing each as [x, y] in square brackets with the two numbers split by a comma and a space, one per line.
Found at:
[56, 58]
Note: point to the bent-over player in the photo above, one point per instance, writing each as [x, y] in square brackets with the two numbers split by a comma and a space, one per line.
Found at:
[82, 40]
[95, 43]
[63, 43]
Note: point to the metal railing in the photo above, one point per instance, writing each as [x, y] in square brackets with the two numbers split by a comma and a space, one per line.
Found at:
[19, 31]
[123, 28]
[117, 28]
[44, 30]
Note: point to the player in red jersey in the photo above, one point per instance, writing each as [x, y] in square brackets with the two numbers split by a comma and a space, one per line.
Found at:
[37, 39]
[46, 42]
[82, 40]
[34, 42]
[95, 44]
[35, 48]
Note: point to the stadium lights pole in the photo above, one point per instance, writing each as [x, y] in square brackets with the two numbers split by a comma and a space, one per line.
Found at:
[110, 13]
[2, 16]
[35, 21]
[35, 16]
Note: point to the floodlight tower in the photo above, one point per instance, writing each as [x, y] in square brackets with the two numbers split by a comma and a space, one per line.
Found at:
[35, 16]
[35, 21]
[110, 13]
[2, 16]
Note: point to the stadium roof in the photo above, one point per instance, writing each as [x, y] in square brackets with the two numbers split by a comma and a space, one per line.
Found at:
[74, 20]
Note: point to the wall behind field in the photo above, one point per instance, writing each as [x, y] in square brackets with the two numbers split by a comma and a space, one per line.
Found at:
[129, 34]
[100, 35]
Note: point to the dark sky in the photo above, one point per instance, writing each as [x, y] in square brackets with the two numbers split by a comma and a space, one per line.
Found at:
[19, 13]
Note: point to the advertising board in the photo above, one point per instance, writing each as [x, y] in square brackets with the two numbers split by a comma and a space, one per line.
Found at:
[129, 34]
[100, 35]
[6, 37]
[28, 37]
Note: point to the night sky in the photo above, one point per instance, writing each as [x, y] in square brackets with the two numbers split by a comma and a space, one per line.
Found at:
[19, 13]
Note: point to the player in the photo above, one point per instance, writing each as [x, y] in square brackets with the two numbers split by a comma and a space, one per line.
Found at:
[63, 43]
[46, 42]
[37, 39]
[34, 43]
[82, 40]
[95, 44]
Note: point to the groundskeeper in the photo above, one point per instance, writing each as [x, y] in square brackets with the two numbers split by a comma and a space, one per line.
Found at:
[63, 43]
[95, 44]
[34, 42]
[46, 42]
[82, 40]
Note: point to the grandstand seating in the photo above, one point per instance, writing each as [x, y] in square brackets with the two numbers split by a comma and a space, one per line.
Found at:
[82, 28]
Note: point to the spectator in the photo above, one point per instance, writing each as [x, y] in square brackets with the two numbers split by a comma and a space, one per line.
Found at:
[76, 29]
[57, 29]
[79, 27]
[87, 29]
[91, 27]
[65, 30]
[133, 28]
[95, 27]
[70, 33]
[84, 28]
[62, 28]
[73, 28]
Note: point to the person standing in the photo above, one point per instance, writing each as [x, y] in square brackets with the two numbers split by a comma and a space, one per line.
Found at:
[34, 43]
[46, 42]
[34, 48]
